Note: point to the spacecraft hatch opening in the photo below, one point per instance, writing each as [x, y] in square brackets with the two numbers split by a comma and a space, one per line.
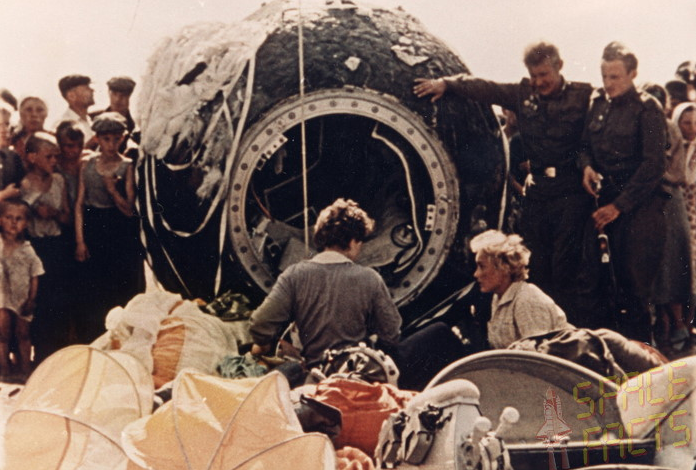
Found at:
[360, 145]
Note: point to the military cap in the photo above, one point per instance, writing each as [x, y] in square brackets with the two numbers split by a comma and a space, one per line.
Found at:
[69, 82]
[677, 90]
[109, 123]
[121, 85]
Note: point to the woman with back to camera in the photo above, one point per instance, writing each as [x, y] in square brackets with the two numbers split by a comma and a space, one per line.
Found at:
[519, 309]
[337, 303]
[334, 301]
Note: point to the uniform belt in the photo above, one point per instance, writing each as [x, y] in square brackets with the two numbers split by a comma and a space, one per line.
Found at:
[554, 171]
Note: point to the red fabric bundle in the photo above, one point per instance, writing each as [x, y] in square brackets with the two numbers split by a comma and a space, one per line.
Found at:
[363, 407]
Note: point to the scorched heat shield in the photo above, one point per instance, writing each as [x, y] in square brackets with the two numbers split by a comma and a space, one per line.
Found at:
[221, 177]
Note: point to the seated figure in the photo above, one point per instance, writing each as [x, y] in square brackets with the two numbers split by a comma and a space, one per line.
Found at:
[519, 309]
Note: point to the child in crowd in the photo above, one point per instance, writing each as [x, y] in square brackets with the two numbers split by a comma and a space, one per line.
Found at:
[43, 188]
[106, 229]
[45, 192]
[71, 141]
[11, 169]
[21, 268]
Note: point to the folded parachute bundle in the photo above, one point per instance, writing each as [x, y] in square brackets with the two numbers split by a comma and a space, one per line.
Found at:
[169, 334]
[215, 423]
[72, 411]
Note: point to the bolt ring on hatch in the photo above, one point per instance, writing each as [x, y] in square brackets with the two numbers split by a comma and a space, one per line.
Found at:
[266, 137]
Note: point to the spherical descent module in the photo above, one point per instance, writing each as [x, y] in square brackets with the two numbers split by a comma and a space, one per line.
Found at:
[221, 174]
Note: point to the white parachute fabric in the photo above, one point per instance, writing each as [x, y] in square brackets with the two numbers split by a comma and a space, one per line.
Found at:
[168, 334]
[204, 63]
[73, 409]
[223, 424]
[195, 73]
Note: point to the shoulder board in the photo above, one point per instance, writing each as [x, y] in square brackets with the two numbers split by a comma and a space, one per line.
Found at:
[597, 93]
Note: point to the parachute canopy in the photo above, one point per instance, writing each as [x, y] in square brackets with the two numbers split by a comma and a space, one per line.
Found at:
[73, 409]
[214, 423]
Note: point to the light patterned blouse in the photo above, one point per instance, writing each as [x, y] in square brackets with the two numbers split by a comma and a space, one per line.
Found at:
[523, 310]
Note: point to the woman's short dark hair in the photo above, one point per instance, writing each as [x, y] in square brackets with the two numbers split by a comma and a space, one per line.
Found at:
[340, 223]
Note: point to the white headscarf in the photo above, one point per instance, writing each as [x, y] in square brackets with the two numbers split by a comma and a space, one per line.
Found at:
[680, 109]
[691, 149]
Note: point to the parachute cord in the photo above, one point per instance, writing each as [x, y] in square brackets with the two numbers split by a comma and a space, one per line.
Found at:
[303, 143]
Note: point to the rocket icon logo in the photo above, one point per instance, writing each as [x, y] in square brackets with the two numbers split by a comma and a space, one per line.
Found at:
[555, 430]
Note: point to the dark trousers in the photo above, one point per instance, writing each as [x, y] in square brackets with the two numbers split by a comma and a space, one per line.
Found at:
[51, 326]
[636, 241]
[422, 355]
[552, 229]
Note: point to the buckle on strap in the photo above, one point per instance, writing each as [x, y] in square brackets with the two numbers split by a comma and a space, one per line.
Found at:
[550, 171]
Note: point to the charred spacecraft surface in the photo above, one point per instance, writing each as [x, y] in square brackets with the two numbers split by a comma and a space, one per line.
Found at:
[221, 176]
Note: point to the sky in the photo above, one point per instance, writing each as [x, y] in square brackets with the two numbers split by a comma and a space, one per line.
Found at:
[45, 40]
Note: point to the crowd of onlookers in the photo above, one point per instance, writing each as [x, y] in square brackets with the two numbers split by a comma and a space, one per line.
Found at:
[68, 230]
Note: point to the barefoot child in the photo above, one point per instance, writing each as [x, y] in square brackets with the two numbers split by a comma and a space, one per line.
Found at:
[20, 270]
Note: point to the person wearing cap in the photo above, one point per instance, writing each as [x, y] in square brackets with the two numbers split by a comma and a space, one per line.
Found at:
[550, 113]
[106, 229]
[76, 90]
[120, 91]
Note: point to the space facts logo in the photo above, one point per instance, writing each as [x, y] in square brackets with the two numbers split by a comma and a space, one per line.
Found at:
[654, 399]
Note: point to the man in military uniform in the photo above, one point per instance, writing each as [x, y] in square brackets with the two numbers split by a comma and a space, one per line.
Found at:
[623, 163]
[551, 113]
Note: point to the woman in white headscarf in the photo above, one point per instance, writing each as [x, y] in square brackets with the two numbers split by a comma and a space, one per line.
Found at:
[684, 116]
